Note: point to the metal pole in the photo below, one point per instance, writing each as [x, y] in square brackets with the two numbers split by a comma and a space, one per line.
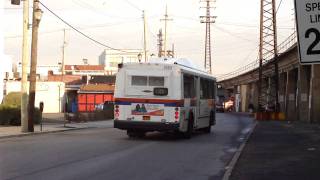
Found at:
[260, 108]
[165, 32]
[144, 36]
[25, 60]
[166, 19]
[275, 46]
[33, 69]
[63, 55]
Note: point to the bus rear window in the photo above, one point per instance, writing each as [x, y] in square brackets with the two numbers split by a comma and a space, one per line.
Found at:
[156, 81]
[139, 80]
[147, 81]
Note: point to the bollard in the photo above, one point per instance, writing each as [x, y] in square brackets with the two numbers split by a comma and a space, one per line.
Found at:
[41, 106]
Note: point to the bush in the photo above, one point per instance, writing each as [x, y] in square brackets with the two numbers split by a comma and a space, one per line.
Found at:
[12, 99]
[11, 115]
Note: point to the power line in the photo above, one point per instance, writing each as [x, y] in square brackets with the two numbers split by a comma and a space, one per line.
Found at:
[82, 28]
[226, 23]
[133, 5]
[279, 6]
[80, 32]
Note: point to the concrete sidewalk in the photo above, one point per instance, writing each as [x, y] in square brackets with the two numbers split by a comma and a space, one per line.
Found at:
[14, 131]
[280, 151]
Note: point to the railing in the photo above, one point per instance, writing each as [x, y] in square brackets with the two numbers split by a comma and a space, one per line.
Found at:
[282, 47]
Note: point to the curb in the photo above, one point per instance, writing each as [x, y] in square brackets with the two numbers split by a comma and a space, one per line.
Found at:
[43, 132]
[237, 155]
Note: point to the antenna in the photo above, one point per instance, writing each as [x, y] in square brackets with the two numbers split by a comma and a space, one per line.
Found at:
[160, 43]
[166, 19]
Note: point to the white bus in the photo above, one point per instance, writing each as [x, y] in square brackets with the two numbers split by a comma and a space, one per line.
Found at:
[164, 95]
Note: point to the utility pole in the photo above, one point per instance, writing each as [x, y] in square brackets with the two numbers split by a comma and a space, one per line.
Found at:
[63, 55]
[144, 36]
[37, 13]
[166, 19]
[208, 20]
[25, 60]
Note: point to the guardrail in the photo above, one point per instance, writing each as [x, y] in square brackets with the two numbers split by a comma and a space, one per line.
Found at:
[282, 47]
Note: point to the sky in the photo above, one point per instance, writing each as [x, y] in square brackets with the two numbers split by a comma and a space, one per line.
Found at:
[119, 24]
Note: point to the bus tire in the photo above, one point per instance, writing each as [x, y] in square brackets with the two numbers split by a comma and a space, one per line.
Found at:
[131, 133]
[189, 132]
[213, 118]
[141, 134]
[211, 122]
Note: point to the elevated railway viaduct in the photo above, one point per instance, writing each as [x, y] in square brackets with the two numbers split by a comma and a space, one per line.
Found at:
[299, 88]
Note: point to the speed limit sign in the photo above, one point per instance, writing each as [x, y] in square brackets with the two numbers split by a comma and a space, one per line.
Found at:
[308, 29]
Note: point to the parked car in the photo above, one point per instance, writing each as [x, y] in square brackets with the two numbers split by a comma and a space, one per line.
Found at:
[229, 105]
[104, 106]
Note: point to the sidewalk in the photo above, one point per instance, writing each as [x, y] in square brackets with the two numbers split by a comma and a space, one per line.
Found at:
[14, 131]
[280, 151]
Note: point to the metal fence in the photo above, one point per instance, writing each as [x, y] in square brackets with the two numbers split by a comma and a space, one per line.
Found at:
[282, 47]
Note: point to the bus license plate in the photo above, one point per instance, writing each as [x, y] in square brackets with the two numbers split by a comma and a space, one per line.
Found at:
[146, 118]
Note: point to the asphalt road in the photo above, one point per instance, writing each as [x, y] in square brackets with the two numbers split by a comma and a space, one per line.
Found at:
[107, 153]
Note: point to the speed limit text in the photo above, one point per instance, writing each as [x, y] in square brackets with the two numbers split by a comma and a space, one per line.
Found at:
[313, 8]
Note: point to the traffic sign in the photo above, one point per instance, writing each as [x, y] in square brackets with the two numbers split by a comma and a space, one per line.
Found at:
[308, 30]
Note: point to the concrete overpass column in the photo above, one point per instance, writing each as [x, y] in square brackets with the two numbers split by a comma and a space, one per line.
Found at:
[291, 108]
[315, 94]
[282, 90]
[255, 96]
[303, 93]
[237, 98]
[245, 97]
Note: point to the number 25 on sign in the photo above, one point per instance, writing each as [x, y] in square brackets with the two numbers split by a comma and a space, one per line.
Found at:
[308, 30]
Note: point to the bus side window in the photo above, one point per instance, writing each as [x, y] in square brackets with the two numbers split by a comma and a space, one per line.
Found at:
[188, 86]
[204, 89]
[211, 89]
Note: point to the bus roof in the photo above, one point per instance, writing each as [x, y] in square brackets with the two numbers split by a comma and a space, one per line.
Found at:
[183, 64]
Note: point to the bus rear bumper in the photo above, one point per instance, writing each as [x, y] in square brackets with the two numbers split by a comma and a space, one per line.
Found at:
[145, 126]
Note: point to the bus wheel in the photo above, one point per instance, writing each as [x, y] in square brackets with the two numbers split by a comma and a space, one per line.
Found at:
[141, 134]
[131, 133]
[211, 122]
[189, 132]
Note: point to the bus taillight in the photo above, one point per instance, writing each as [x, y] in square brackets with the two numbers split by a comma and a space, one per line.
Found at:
[176, 114]
[116, 112]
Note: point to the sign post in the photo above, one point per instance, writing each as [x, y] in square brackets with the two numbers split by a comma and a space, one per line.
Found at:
[308, 30]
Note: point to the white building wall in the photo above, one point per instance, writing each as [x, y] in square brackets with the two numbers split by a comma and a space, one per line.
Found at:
[111, 58]
[50, 93]
[42, 70]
